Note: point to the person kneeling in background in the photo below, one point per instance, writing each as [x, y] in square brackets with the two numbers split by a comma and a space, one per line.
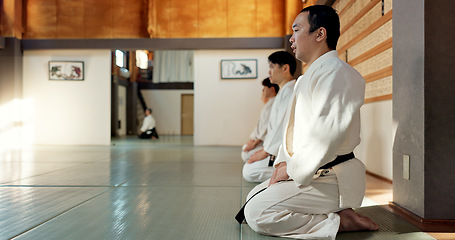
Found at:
[148, 129]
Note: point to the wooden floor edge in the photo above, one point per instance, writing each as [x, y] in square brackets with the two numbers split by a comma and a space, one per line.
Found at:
[427, 225]
[379, 177]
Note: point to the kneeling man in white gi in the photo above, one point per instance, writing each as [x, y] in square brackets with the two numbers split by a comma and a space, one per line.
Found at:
[269, 91]
[259, 167]
[309, 196]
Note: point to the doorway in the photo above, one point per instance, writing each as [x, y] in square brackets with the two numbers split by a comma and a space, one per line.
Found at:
[187, 118]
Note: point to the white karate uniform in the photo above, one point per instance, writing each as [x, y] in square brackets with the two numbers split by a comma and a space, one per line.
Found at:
[260, 130]
[259, 171]
[322, 122]
[149, 123]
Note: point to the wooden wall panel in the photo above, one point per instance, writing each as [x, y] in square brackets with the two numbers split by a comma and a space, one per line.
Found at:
[376, 63]
[70, 19]
[213, 18]
[163, 18]
[270, 18]
[159, 18]
[242, 18]
[184, 19]
[99, 19]
[11, 18]
[379, 88]
[366, 43]
[41, 19]
[363, 23]
[130, 18]
[351, 11]
[377, 37]
[292, 9]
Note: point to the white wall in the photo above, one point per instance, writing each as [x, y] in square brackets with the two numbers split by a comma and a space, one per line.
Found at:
[226, 111]
[68, 112]
[166, 109]
[377, 133]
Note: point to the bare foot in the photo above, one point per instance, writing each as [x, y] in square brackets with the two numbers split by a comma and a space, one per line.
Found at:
[351, 221]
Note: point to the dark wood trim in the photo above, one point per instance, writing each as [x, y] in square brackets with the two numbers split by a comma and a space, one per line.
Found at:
[379, 177]
[122, 82]
[2, 42]
[156, 44]
[151, 85]
[114, 106]
[131, 109]
[427, 225]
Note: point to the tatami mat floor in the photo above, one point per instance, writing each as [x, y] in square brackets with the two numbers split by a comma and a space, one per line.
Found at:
[140, 189]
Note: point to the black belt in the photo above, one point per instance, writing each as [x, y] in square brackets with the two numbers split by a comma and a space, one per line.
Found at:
[340, 159]
[271, 160]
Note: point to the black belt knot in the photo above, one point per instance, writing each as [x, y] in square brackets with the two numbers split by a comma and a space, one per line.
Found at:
[271, 160]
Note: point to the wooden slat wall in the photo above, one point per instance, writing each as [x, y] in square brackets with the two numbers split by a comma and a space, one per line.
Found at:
[70, 18]
[41, 20]
[184, 19]
[213, 20]
[157, 18]
[270, 18]
[86, 19]
[292, 9]
[366, 43]
[98, 19]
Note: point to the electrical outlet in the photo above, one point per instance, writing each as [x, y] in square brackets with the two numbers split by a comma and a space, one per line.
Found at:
[406, 167]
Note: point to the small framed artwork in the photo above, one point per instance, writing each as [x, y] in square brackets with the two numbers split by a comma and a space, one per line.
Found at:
[66, 70]
[239, 69]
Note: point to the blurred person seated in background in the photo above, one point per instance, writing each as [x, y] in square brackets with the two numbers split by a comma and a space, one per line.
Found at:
[148, 129]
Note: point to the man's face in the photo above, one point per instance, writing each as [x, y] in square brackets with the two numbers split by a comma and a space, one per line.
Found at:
[268, 92]
[301, 40]
[276, 73]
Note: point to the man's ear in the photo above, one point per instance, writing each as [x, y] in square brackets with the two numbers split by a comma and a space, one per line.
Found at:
[286, 67]
[321, 34]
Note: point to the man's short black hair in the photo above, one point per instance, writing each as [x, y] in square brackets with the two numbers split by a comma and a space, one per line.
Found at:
[281, 58]
[326, 17]
[266, 83]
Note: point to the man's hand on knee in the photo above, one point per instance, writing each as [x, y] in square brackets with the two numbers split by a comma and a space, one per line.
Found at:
[279, 174]
[249, 145]
[257, 156]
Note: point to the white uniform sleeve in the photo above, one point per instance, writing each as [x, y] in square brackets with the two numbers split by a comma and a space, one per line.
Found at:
[336, 94]
[260, 130]
[145, 124]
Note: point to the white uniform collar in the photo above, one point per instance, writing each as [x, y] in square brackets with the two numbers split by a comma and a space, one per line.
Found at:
[322, 58]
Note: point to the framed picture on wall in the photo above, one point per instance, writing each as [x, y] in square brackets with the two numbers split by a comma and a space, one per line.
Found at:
[239, 69]
[66, 70]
